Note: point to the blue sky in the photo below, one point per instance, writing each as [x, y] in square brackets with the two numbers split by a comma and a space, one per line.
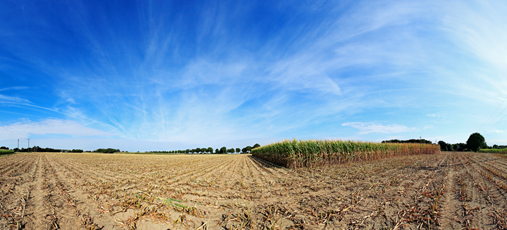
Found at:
[164, 75]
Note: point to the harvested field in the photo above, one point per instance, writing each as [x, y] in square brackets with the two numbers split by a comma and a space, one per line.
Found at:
[90, 191]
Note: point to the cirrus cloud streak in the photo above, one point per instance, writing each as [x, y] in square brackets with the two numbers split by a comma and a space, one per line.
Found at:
[372, 127]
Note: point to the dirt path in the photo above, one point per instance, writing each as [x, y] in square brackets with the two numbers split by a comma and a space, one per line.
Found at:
[451, 204]
[36, 210]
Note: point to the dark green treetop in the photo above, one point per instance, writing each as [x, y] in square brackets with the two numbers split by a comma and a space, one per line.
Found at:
[476, 141]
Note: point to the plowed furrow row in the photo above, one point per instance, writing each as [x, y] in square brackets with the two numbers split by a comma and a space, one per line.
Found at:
[495, 191]
[12, 169]
[14, 197]
[197, 172]
[208, 176]
[83, 208]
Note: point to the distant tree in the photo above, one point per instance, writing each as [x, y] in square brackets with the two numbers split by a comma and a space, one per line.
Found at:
[256, 146]
[392, 141]
[476, 141]
[217, 151]
[248, 148]
[3, 147]
[460, 147]
[231, 150]
[443, 145]
[198, 150]
[210, 150]
[243, 150]
[422, 141]
[223, 150]
[108, 150]
[238, 150]
[187, 151]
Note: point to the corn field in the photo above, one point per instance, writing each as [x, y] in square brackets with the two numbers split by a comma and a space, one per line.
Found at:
[297, 153]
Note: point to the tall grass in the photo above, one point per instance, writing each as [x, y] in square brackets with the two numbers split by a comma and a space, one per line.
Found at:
[493, 151]
[297, 153]
[6, 151]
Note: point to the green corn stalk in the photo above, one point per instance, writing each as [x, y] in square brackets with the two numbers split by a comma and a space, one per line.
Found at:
[300, 153]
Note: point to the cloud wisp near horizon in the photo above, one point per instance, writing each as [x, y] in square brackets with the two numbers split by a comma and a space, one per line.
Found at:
[175, 75]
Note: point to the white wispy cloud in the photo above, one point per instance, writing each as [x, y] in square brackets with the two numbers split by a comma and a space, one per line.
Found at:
[497, 131]
[475, 29]
[428, 127]
[479, 26]
[372, 127]
[13, 100]
[435, 115]
[14, 88]
[26, 128]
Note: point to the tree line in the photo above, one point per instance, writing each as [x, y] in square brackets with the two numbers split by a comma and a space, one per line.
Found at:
[108, 150]
[39, 149]
[452, 147]
[52, 150]
[474, 143]
[208, 150]
[421, 141]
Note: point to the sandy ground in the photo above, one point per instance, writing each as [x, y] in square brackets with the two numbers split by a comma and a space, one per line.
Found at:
[102, 191]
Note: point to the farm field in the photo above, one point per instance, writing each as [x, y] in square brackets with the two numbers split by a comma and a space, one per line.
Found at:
[105, 191]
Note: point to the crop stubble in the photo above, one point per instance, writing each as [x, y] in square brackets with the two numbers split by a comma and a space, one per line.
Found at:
[69, 191]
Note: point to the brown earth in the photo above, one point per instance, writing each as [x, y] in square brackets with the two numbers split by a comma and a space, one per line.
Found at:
[103, 191]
